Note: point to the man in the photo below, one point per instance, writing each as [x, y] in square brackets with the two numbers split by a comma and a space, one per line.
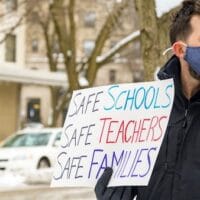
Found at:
[176, 175]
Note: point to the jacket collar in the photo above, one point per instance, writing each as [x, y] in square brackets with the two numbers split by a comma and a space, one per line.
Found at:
[171, 70]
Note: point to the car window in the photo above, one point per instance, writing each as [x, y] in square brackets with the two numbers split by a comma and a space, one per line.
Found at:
[57, 139]
[28, 140]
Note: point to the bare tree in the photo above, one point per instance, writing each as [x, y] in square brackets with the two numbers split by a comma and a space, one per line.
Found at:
[154, 36]
[56, 19]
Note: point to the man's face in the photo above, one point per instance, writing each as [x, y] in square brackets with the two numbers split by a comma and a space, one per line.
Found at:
[194, 40]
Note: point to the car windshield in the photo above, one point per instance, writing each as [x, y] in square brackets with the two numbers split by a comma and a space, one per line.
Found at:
[28, 140]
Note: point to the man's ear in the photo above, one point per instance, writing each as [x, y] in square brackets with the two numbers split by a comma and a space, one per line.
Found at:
[179, 49]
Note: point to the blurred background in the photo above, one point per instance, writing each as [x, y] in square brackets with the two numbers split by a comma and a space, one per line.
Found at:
[49, 48]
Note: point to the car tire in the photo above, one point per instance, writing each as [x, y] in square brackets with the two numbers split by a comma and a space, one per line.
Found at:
[43, 163]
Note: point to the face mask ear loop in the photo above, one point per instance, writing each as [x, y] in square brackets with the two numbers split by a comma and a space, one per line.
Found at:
[167, 50]
[185, 45]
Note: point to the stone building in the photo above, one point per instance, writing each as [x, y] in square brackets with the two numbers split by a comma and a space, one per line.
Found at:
[26, 99]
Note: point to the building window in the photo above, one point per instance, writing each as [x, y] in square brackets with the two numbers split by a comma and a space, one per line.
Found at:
[10, 46]
[112, 76]
[35, 45]
[11, 5]
[33, 110]
[88, 46]
[90, 19]
[33, 17]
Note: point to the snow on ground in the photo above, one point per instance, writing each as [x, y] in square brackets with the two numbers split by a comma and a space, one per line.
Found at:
[11, 179]
[19, 187]
[164, 6]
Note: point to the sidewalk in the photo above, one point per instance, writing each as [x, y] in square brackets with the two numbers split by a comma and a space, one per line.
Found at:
[45, 192]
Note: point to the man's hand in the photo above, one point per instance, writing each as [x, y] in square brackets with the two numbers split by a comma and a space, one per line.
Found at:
[111, 193]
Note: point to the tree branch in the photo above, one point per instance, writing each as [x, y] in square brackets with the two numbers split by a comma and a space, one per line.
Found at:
[63, 101]
[72, 34]
[102, 38]
[64, 36]
[101, 60]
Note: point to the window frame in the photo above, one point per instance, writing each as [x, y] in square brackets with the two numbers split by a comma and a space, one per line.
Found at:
[10, 47]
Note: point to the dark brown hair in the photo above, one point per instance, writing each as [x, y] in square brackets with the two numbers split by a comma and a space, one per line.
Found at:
[181, 27]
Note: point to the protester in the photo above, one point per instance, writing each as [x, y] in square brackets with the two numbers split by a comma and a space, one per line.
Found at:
[176, 175]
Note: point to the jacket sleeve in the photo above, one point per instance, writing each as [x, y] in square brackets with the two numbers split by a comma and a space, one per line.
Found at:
[113, 193]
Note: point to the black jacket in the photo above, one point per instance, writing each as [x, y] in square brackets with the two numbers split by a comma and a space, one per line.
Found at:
[176, 175]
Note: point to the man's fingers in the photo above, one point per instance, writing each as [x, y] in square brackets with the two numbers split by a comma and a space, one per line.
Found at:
[128, 193]
[117, 194]
[109, 193]
[102, 183]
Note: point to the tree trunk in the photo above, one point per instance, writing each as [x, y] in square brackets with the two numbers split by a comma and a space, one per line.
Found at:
[102, 37]
[54, 100]
[154, 36]
[149, 36]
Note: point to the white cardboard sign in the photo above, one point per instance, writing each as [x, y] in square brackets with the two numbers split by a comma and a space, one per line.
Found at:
[119, 126]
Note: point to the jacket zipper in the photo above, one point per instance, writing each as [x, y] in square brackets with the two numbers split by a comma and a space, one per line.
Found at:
[180, 151]
[185, 124]
[185, 118]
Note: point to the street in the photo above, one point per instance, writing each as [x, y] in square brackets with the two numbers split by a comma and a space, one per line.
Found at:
[43, 192]
[36, 186]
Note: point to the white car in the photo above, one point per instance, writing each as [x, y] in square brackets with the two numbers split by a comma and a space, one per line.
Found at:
[30, 149]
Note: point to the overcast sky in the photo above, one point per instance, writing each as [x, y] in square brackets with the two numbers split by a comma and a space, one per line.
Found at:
[163, 6]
